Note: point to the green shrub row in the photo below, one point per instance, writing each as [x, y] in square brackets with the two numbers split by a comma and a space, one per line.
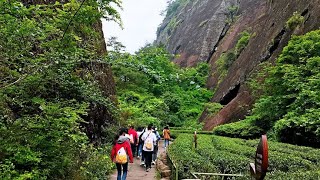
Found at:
[216, 154]
[175, 133]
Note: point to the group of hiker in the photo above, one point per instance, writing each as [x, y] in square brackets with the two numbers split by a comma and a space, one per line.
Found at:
[142, 143]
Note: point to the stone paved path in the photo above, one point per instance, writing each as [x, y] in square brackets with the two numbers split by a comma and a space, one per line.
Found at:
[137, 172]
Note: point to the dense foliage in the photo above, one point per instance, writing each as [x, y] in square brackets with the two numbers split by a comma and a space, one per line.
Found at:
[152, 89]
[289, 107]
[217, 154]
[44, 92]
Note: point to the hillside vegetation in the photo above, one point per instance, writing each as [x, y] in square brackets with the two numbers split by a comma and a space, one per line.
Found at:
[46, 93]
[152, 89]
[288, 107]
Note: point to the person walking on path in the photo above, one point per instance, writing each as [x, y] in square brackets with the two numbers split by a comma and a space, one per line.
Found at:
[150, 140]
[139, 135]
[156, 146]
[166, 136]
[120, 154]
[134, 138]
[141, 142]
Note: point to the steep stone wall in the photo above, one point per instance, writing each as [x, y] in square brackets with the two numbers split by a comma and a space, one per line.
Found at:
[194, 30]
[264, 19]
[100, 117]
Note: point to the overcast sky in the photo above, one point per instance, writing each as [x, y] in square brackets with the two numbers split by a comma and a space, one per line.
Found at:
[140, 21]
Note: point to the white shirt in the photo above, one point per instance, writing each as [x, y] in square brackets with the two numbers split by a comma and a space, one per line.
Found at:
[139, 133]
[149, 134]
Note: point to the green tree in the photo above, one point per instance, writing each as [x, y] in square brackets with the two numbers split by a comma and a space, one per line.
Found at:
[46, 93]
[157, 91]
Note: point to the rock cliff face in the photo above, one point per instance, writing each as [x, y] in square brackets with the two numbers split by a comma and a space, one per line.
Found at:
[265, 20]
[194, 29]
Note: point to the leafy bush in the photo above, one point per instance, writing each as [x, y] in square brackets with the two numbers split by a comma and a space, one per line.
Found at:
[226, 60]
[294, 21]
[241, 129]
[217, 154]
[224, 63]
[213, 108]
[232, 12]
[97, 164]
[242, 42]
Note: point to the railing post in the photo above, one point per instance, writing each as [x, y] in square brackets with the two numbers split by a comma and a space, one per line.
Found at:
[177, 173]
[195, 140]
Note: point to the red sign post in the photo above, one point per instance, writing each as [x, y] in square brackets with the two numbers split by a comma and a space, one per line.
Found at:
[260, 167]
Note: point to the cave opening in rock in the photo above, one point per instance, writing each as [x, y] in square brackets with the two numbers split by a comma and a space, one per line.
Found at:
[231, 95]
[277, 40]
[177, 49]
[305, 12]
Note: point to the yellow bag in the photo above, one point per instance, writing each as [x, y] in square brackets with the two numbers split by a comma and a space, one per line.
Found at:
[121, 156]
[149, 142]
[149, 145]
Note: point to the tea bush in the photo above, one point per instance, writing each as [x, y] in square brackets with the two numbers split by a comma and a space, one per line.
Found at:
[216, 154]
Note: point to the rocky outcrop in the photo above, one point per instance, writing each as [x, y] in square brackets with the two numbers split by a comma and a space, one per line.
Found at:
[162, 166]
[193, 31]
[266, 21]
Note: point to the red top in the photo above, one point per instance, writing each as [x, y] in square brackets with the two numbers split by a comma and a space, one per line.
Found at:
[134, 134]
[117, 147]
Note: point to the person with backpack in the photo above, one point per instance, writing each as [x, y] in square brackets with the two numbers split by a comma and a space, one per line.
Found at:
[156, 146]
[121, 153]
[166, 136]
[133, 139]
[150, 140]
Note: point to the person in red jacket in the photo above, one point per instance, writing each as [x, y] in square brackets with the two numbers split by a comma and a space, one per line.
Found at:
[122, 148]
[133, 134]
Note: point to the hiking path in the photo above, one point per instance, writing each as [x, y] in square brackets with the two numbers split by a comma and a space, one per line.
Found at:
[137, 172]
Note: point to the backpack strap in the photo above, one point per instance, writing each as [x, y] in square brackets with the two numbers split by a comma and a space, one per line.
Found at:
[148, 135]
[140, 137]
